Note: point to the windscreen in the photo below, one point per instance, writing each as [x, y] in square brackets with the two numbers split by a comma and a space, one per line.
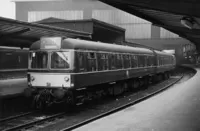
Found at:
[38, 60]
[60, 60]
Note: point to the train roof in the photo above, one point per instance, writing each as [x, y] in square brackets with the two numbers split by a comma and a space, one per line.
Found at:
[162, 53]
[99, 46]
[70, 43]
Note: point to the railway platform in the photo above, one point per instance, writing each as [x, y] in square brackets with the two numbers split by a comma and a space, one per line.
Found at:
[175, 109]
[12, 87]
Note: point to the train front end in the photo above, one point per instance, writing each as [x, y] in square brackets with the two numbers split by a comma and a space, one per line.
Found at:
[49, 78]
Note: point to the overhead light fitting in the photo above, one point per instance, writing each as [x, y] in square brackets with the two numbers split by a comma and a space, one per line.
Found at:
[187, 22]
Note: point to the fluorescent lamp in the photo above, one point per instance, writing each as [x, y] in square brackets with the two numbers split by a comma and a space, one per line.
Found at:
[187, 22]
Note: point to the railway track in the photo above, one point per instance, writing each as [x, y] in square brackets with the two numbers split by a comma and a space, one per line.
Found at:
[27, 120]
[4, 120]
[79, 117]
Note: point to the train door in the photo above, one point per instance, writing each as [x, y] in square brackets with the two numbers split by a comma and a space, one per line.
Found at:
[80, 61]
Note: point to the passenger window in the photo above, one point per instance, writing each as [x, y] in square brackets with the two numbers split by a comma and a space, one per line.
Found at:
[134, 61]
[158, 61]
[162, 60]
[92, 61]
[128, 58]
[145, 61]
[113, 61]
[100, 58]
[104, 61]
[141, 60]
[125, 61]
[99, 61]
[151, 61]
[148, 61]
[119, 61]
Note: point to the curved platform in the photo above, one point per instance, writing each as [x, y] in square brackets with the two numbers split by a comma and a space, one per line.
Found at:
[175, 109]
[12, 87]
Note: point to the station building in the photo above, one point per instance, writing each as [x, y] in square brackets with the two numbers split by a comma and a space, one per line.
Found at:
[137, 30]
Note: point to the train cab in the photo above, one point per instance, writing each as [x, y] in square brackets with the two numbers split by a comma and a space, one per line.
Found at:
[47, 63]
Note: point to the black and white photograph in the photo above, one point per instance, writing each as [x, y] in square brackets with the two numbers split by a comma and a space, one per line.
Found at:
[99, 65]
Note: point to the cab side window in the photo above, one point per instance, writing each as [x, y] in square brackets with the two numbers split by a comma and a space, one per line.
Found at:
[81, 60]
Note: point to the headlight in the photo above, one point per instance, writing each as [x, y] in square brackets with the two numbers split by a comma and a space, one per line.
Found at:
[66, 78]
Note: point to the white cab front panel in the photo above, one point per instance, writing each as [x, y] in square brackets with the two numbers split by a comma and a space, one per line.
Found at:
[50, 80]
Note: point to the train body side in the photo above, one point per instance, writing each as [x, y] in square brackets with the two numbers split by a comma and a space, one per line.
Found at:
[164, 62]
[96, 65]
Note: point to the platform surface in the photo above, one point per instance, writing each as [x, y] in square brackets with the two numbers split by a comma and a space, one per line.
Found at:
[12, 87]
[175, 109]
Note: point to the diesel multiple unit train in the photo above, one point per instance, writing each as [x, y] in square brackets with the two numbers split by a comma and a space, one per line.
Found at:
[73, 70]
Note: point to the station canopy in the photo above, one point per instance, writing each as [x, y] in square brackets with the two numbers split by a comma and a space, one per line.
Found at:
[16, 33]
[99, 30]
[178, 16]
